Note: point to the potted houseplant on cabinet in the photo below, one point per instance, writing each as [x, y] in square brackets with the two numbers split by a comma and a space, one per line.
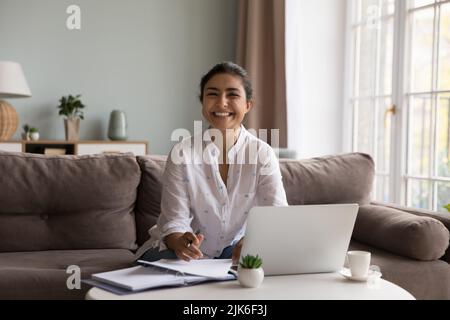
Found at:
[250, 272]
[30, 133]
[34, 134]
[71, 107]
[26, 132]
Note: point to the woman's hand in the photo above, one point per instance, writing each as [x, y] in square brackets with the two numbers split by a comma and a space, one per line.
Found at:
[185, 245]
[237, 251]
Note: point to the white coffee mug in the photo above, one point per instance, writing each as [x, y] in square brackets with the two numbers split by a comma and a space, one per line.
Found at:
[359, 263]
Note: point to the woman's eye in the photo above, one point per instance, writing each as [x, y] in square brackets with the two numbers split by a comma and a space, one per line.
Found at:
[212, 94]
[234, 95]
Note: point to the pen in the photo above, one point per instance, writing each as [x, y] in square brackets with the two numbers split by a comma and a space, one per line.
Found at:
[190, 241]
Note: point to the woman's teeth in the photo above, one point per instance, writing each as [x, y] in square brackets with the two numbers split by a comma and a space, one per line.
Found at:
[222, 114]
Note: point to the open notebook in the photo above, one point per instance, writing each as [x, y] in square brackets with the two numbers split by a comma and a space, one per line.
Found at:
[163, 273]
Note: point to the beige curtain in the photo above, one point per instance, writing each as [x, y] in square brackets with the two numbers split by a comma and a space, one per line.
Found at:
[260, 50]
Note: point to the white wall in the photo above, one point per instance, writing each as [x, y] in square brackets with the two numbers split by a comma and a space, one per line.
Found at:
[143, 56]
[315, 50]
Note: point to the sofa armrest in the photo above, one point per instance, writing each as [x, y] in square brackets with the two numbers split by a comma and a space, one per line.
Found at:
[443, 217]
[400, 232]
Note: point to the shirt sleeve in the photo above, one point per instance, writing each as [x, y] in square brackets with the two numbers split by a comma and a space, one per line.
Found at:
[175, 203]
[270, 190]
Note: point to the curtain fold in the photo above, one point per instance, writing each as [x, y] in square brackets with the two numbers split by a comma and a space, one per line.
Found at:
[261, 51]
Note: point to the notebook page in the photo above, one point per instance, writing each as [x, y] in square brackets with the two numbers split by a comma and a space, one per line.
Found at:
[211, 268]
[139, 278]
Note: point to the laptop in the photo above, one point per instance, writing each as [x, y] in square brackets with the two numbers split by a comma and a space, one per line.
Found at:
[300, 239]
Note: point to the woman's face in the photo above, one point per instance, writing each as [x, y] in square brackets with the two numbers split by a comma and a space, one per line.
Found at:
[224, 101]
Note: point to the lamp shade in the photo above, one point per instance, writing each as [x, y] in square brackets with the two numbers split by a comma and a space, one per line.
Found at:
[12, 81]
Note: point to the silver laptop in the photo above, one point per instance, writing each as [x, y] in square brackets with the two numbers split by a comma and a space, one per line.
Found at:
[300, 239]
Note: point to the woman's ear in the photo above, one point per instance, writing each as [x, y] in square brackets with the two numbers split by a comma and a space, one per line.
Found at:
[249, 106]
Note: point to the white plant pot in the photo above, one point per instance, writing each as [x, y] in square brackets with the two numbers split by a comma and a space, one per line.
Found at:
[250, 278]
[34, 136]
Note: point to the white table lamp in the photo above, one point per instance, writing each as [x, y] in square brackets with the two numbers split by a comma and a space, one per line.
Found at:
[12, 85]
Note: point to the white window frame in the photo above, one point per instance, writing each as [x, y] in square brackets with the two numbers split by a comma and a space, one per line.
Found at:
[399, 129]
[349, 140]
[432, 179]
[400, 98]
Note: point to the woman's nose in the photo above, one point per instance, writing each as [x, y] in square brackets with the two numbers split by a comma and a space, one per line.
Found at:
[222, 101]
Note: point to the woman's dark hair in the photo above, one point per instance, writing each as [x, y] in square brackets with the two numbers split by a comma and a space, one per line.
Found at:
[230, 68]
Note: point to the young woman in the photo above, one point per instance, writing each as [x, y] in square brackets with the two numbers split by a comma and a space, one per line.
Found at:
[205, 203]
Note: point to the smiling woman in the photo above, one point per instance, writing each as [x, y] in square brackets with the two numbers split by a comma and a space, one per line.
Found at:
[215, 196]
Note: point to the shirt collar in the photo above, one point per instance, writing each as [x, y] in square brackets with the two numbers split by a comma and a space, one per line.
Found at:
[214, 150]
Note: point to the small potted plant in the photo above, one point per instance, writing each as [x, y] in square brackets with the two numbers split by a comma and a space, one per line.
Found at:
[71, 107]
[26, 132]
[34, 134]
[250, 272]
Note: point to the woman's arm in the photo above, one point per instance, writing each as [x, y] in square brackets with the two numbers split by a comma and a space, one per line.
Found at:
[175, 218]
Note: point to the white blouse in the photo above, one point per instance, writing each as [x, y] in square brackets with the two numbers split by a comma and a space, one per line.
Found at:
[195, 198]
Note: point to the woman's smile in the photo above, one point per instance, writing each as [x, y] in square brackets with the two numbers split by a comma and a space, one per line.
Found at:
[223, 114]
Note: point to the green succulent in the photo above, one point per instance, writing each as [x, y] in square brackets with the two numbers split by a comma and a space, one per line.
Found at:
[251, 262]
[447, 207]
[33, 130]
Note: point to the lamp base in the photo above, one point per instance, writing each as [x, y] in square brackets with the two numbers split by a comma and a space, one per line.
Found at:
[8, 121]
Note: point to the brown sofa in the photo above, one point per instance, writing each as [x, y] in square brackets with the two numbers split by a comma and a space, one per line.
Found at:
[94, 212]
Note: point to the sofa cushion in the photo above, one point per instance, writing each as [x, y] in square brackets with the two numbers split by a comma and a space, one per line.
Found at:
[421, 238]
[148, 205]
[42, 275]
[67, 202]
[443, 217]
[423, 279]
[345, 178]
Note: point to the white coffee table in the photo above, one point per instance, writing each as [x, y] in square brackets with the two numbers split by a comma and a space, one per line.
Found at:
[324, 286]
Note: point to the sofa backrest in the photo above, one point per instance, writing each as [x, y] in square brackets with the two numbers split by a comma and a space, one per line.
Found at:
[345, 178]
[148, 204]
[67, 202]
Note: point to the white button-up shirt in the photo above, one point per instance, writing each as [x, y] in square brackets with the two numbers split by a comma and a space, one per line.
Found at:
[195, 198]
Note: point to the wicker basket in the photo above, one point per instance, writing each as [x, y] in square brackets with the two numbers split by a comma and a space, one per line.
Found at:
[8, 121]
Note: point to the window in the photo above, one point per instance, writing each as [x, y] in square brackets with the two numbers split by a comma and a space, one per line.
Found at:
[400, 97]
